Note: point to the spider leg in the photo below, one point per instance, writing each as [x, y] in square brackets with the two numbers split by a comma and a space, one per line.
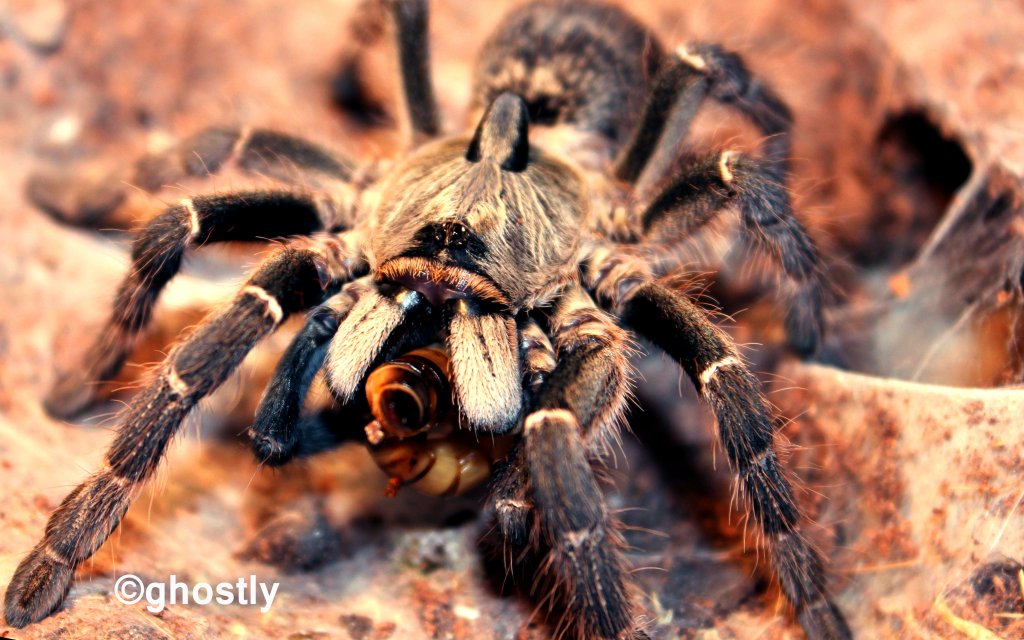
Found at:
[319, 431]
[705, 188]
[411, 18]
[536, 354]
[676, 94]
[291, 159]
[509, 499]
[352, 88]
[157, 255]
[276, 432]
[677, 326]
[693, 73]
[408, 21]
[285, 283]
[574, 415]
[510, 504]
[109, 200]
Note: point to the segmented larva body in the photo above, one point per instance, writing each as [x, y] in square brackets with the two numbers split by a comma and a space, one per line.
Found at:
[409, 394]
[415, 438]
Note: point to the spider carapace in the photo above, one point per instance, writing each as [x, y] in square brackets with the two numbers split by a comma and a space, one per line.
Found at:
[530, 247]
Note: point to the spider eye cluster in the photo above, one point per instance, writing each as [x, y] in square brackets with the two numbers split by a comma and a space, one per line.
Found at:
[453, 235]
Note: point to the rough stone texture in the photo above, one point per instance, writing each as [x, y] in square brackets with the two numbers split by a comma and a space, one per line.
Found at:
[915, 488]
[924, 486]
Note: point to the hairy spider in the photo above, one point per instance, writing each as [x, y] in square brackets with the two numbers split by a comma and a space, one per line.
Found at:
[530, 249]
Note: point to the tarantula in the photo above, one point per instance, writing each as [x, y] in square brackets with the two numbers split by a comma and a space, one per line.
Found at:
[531, 249]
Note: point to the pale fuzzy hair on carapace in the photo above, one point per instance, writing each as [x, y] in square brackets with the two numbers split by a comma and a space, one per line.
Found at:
[529, 220]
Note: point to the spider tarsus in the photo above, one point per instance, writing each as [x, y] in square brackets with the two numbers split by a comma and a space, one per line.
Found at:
[300, 539]
[37, 589]
[805, 325]
[75, 530]
[509, 501]
[76, 201]
[824, 621]
[269, 450]
[69, 396]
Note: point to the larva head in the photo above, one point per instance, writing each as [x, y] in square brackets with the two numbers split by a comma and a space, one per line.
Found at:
[488, 218]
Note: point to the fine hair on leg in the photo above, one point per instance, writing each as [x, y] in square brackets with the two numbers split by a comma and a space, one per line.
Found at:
[285, 283]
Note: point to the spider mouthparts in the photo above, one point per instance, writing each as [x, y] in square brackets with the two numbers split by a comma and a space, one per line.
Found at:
[439, 282]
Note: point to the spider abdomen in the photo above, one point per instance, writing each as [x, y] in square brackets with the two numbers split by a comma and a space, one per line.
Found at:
[583, 64]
